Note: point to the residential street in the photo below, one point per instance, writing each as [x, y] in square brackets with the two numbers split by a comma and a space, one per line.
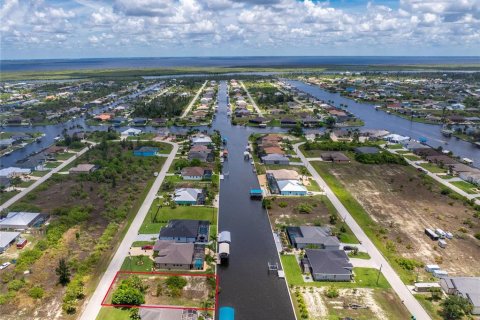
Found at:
[93, 305]
[400, 288]
[257, 109]
[190, 105]
[25, 191]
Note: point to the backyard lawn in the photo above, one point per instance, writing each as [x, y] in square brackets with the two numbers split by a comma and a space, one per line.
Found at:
[432, 168]
[137, 263]
[111, 313]
[179, 212]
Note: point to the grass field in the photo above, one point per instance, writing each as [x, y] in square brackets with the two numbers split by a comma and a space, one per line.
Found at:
[111, 313]
[136, 263]
[359, 255]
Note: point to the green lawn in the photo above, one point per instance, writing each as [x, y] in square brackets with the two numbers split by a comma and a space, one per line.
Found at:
[359, 255]
[4, 196]
[180, 212]
[364, 277]
[111, 313]
[134, 264]
[142, 243]
[25, 184]
[394, 146]
[52, 164]
[64, 155]
[313, 186]
[39, 173]
[361, 217]
[432, 168]
[431, 307]
[411, 157]
[466, 186]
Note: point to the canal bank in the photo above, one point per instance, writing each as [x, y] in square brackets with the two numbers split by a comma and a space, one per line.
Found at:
[380, 120]
[245, 283]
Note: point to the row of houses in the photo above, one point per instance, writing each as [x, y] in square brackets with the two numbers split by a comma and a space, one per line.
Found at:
[323, 259]
[270, 151]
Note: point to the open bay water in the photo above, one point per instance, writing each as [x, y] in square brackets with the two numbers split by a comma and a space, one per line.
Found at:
[236, 62]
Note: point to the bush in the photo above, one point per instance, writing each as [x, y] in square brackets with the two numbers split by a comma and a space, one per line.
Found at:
[283, 204]
[332, 292]
[477, 235]
[36, 292]
[16, 285]
[409, 264]
[304, 208]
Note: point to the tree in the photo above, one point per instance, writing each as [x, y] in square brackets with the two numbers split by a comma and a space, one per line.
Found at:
[63, 272]
[128, 296]
[330, 122]
[455, 307]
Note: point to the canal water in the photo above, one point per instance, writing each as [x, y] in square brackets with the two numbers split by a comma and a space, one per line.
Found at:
[245, 283]
[380, 120]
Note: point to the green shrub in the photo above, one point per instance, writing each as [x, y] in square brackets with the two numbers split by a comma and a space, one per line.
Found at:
[332, 292]
[283, 204]
[36, 292]
[16, 284]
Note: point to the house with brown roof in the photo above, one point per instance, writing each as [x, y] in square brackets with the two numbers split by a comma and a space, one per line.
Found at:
[196, 173]
[334, 156]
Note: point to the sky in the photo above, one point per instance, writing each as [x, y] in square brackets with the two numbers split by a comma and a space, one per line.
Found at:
[42, 29]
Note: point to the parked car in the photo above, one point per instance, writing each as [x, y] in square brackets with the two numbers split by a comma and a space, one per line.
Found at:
[4, 265]
[148, 247]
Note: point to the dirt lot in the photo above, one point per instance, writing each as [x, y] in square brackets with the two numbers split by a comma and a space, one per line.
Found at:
[194, 294]
[372, 303]
[284, 211]
[403, 203]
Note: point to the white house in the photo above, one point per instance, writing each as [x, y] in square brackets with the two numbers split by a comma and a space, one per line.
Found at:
[201, 140]
[291, 188]
[131, 132]
[11, 172]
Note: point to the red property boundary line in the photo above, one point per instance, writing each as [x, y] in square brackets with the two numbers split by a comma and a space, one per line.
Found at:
[205, 275]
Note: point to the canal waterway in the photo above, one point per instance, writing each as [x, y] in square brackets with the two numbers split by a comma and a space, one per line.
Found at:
[381, 120]
[245, 283]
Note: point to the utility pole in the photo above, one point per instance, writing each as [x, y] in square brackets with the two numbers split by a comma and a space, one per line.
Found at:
[379, 271]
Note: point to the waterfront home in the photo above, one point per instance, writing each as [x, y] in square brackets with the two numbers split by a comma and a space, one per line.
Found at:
[275, 158]
[291, 188]
[84, 168]
[103, 117]
[288, 122]
[200, 140]
[467, 287]
[5, 143]
[20, 220]
[12, 172]
[139, 121]
[258, 120]
[196, 173]
[131, 132]
[327, 265]
[170, 314]
[307, 236]
[145, 151]
[282, 174]
[201, 152]
[172, 255]
[191, 231]
[189, 196]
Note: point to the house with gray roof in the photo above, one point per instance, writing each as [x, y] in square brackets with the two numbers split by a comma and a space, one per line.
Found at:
[467, 287]
[186, 231]
[312, 236]
[21, 220]
[172, 255]
[188, 196]
[167, 314]
[275, 158]
[7, 238]
[327, 265]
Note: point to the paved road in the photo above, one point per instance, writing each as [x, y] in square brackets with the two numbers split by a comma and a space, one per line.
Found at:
[251, 100]
[377, 258]
[25, 191]
[190, 105]
[94, 303]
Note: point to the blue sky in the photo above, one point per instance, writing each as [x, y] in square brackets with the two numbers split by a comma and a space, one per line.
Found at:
[33, 29]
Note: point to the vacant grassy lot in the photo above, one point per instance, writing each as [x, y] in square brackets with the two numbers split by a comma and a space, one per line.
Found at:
[290, 211]
[394, 204]
[433, 168]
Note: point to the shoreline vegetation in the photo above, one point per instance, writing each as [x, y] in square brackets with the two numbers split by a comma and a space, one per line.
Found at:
[165, 71]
